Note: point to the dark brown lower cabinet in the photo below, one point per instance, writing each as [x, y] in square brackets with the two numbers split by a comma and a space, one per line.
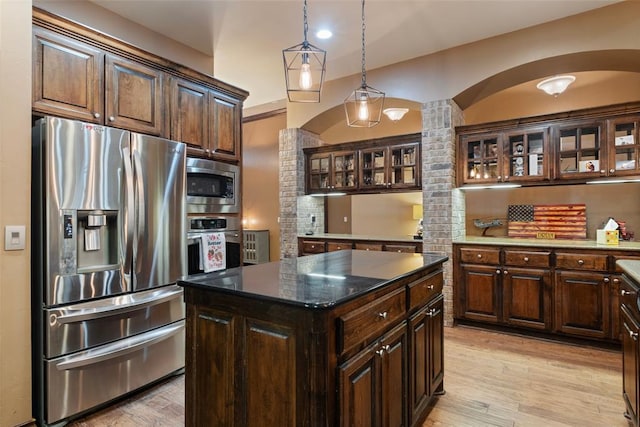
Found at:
[630, 330]
[479, 289]
[582, 304]
[527, 297]
[373, 383]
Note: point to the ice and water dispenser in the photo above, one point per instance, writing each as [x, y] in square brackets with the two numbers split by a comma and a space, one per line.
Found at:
[93, 245]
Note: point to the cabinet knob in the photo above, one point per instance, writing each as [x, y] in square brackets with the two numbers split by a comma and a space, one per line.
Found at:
[602, 171]
[616, 280]
[606, 280]
[339, 247]
[479, 256]
[580, 262]
[526, 259]
[383, 315]
[96, 115]
[633, 335]
[380, 352]
[497, 271]
[505, 272]
[430, 287]
[111, 118]
[387, 348]
[612, 170]
[625, 292]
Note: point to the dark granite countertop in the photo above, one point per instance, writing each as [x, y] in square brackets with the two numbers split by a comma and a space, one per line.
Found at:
[316, 281]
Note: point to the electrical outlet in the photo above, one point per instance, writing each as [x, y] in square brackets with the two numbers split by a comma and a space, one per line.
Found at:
[313, 218]
[346, 219]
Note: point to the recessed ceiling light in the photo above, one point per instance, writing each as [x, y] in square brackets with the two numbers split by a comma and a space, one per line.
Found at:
[324, 34]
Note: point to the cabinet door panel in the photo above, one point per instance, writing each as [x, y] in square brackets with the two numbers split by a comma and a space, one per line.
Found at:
[214, 370]
[225, 141]
[67, 77]
[189, 113]
[359, 390]
[582, 304]
[436, 345]
[270, 355]
[394, 378]
[480, 293]
[133, 97]
[527, 298]
[630, 362]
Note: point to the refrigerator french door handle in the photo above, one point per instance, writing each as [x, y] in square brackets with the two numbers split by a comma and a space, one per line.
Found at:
[141, 221]
[128, 210]
[97, 313]
[120, 349]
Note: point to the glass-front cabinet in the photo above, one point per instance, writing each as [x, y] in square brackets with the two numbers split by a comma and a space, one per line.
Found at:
[332, 171]
[370, 166]
[527, 155]
[396, 166]
[580, 150]
[624, 146]
[482, 159]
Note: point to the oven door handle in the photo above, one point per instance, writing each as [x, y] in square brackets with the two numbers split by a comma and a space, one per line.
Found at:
[120, 348]
[83, 314]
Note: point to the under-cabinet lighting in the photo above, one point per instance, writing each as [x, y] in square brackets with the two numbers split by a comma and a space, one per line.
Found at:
[490, 186]
[334, 194]
[326, 276]
[613, 181]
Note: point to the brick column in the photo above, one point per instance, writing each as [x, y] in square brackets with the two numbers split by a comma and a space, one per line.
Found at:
[443, 203]
[296, 208]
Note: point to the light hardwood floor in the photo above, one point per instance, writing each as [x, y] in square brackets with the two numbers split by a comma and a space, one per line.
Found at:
[491, 379]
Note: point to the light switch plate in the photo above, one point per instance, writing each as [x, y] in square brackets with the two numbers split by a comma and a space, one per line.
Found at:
[14, 237]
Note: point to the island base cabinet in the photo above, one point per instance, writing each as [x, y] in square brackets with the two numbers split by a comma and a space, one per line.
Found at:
[630, 368]
[232, 384]
[373, 383]
[427, 358]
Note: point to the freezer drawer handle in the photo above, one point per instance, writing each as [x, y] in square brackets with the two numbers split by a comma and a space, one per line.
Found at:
[108, 311]
[133, 345]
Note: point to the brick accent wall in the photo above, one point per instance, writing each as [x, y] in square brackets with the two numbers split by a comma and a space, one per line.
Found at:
[296, 208]
[443, 204]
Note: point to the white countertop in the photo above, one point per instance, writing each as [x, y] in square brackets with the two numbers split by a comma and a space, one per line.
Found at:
[631, 268]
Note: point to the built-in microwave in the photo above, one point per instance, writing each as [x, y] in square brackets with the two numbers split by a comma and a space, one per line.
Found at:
[212, 187]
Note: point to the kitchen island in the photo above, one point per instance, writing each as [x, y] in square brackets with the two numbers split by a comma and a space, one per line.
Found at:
[340, 338]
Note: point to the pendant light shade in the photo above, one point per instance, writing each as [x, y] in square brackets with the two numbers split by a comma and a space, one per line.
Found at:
[365, 104]
[304, 68]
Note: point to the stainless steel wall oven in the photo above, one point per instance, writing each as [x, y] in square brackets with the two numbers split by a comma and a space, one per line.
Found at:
[209, 224]
[212, 187]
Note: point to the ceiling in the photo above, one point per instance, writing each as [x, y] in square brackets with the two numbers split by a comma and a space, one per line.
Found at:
[246, 37]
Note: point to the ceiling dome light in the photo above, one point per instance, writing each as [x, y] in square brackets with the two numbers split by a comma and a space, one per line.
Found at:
[395, 113]
[324, 34]
[556, 85]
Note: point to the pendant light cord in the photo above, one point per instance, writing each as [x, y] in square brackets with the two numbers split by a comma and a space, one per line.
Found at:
[364, 73]
[306, 26]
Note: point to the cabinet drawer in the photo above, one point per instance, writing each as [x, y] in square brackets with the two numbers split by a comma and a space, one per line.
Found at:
[573, 261]
[527, 258]
[421, 291]
[400, 248]
[369, 246]
[338, 246]
[480, 255]
[313, 247]
[370, 320]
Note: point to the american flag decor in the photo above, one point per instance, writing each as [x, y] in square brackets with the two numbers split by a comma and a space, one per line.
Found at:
[547, 221]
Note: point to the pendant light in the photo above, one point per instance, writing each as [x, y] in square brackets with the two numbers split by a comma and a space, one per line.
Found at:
[364, 106]
[304, 67]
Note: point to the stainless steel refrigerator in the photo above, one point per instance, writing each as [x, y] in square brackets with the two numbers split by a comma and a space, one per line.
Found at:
[108, 244]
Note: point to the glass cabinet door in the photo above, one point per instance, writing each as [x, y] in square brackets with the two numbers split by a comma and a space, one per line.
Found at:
[579, 151]
[624, 146]
[527, 156]
[404, 169]
[482, 159]
[319, 172]
[344, 171]
[373, 166]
